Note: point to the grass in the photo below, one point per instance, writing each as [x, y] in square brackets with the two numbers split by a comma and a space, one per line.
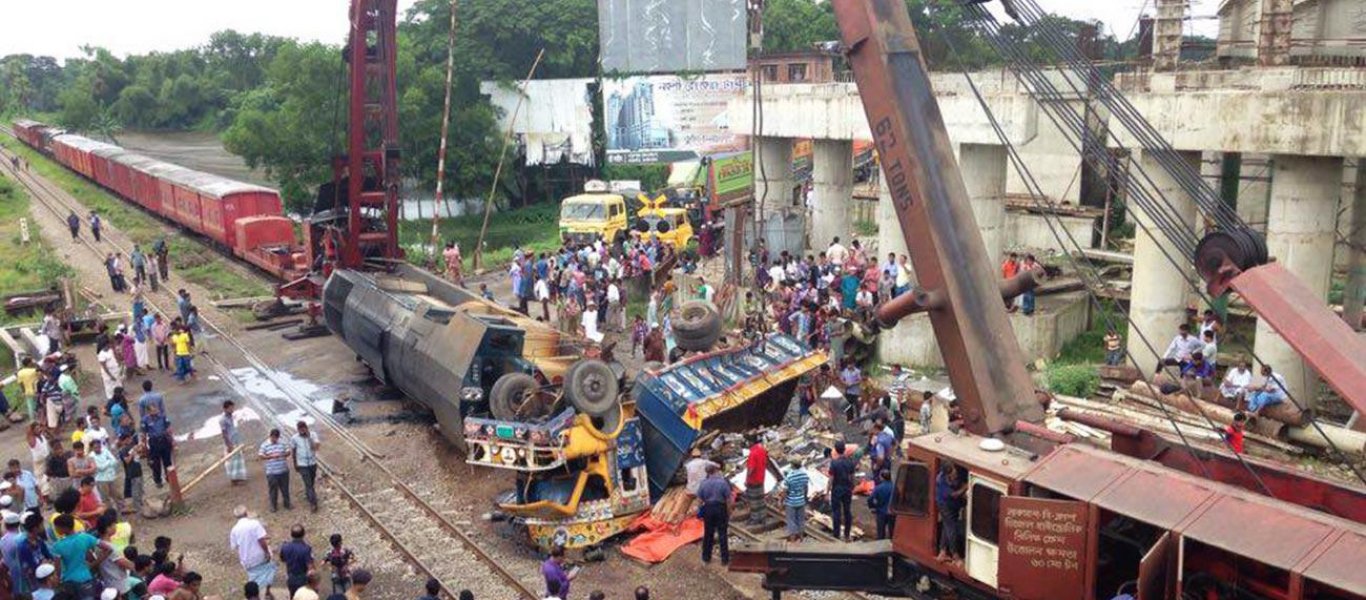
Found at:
[1089, 347]
[534, 228]
[196, 261]
[865, 228]
[27, 266]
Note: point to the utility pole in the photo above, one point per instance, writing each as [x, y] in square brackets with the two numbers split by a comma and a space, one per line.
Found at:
[441, 151]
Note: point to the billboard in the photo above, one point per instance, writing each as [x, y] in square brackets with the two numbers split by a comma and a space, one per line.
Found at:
[663, 36]
[666, 118]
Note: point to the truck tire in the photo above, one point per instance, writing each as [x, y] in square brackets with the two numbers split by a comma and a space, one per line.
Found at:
[591, 387]
[510, 396]
[698, 326]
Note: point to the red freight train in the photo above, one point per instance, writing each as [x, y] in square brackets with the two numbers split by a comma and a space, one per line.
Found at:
[243, 218]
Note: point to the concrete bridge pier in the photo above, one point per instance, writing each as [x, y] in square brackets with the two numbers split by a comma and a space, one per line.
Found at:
[1299, 234]
[773, 175]
[1158, 299]
[832, 183]
[984, 172]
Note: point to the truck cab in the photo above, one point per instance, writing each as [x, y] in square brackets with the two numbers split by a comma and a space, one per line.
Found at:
[595, 214]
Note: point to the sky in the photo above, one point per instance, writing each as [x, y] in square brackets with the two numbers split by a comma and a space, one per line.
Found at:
[126, 27]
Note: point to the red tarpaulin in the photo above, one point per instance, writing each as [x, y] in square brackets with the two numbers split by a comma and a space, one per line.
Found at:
[661, 539]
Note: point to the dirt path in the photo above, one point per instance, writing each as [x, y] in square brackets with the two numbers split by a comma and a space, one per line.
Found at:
[386, 423]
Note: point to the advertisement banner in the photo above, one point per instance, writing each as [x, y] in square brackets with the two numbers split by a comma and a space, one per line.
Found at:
[665, 36]
[665, 118]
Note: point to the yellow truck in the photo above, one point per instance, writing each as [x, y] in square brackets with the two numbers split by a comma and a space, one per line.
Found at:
[669, 224]
[595, 214]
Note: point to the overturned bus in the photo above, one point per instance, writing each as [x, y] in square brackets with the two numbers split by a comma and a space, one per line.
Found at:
[582, 478]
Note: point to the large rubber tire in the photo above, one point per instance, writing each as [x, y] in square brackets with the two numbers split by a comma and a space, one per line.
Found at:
[509, 395]
[698, 326]
[591, 387]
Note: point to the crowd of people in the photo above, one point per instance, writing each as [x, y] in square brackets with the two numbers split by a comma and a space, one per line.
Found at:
[581, 288]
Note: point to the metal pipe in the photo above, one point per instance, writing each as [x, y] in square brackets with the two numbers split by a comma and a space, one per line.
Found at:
[922, 300]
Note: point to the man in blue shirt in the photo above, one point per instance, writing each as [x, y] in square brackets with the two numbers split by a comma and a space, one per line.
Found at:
[298, 558]
[75, 553]
[150, 397]
[556, 577]
[880, 501]
[842, 492]
[157, 430]
[949, 489]
[797, 482]
[714, 493]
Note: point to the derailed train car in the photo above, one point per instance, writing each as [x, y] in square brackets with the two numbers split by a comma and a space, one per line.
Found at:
[440, 344]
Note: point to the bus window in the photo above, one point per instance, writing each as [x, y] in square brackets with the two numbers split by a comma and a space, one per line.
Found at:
[912, 490]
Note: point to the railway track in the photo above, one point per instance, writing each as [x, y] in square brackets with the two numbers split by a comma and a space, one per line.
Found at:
[811, 530]
[423, 534]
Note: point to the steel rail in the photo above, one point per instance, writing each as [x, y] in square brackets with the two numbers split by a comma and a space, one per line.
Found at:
[41, 191]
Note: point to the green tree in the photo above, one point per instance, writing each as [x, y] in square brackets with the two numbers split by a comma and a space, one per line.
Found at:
[289, 126]
[795, 25]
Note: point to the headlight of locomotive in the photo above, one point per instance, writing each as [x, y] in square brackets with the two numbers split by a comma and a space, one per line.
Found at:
[472, 394]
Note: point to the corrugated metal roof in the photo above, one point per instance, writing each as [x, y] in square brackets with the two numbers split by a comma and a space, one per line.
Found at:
[1252, 528]
[204, 183]
[1263, 529]
[1340, 566]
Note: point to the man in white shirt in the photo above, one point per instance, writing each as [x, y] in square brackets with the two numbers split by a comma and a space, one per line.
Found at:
[1181, 348]
[1209, 349]
[836, 253]
[542, 291]
[777, 274]
[697, 471]
[111, 372]
[1236, 381]
[250, 541]
[588, 322]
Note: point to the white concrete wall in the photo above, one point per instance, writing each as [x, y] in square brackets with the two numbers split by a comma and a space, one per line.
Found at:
[1028, 230]
[1292, 123]
[1060, 318]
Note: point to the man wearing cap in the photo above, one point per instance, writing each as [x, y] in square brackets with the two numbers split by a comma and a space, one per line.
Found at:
[42, 576]
[9, 549]
[252, 544]
[75, 553]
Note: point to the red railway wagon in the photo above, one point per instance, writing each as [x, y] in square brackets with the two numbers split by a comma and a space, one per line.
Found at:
[30, 132]
[243, 218]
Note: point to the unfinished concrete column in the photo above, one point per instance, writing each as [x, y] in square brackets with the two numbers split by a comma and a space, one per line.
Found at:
[1277, 21]
[1299, 235]
[832, 192]
[984, 173]
[1354, 296]
[772, 175]
[1167, 29]
[1157, 303]
[1254, 189]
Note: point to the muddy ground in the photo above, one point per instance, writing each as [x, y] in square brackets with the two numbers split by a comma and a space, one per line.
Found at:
[404, 434]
